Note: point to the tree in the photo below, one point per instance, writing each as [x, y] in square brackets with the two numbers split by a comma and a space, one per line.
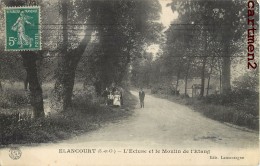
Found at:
[228, 16]
[124, 27]
[1, 36]
[29, 62]
[70, 56]
[182, 49]
[142, 71]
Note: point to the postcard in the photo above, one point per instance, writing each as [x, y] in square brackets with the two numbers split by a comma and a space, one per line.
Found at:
[129, 82]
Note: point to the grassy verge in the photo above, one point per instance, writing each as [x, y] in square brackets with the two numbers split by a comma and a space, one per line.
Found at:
[238, 107]
[86, 116]
[13, 98]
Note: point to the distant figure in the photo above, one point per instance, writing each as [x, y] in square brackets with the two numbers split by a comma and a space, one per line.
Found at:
[110, 98]
[121, 96]
[117, 101]
[141, 97]
[105, 95]
[114, 89]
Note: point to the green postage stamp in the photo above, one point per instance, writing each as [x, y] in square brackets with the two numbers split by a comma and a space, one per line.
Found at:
[22, 28]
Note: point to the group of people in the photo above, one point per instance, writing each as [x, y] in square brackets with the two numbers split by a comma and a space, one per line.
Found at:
[113, 96]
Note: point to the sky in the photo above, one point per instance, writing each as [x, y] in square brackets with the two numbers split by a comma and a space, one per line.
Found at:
[167, 16]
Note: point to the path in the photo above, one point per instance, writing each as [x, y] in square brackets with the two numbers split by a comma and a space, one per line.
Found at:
[160, 125]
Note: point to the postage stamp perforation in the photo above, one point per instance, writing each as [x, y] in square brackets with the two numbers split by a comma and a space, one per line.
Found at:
[5, 28]
[33, 6]
[40, 23]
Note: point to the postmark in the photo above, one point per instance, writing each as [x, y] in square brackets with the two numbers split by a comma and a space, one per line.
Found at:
[15, 153]
[22, 28]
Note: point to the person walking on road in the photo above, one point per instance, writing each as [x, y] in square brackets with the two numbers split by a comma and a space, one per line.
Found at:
[141, 97]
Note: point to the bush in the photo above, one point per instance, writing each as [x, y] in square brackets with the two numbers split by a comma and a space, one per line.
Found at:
[230, 115]
[163, 89]
[13, 98]
[183, 96]
[242, 100]
[154, 90]
[33, 131]
[85, 116]
[236, 96]
[240, 107]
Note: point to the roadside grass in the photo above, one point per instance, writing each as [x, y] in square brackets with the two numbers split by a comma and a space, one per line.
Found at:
[12, 98]
[239, 107]
[84, 116]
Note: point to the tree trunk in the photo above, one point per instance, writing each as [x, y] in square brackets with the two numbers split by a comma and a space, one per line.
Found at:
[220, 82]
[98, 88]
[36, 99]
[1, 87]
[63, 89]
[204, 60]
[186, 80]
[40, 70]
[29, 62]
[60, 100]
[203, 76]
[211, 68]
[226, 66]
[208, 85]
[177, 81]
[220, 76]
[226, 74]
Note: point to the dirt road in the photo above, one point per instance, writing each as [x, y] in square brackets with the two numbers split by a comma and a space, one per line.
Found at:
[166, 123]
[161, 124]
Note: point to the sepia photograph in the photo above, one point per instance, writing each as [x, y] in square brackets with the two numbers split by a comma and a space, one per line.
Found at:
[129, 83]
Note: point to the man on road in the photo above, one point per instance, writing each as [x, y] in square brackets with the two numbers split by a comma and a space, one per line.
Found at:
[141, 97]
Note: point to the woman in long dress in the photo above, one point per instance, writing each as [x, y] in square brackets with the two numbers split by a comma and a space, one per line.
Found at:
[117, 101]
[19, 26]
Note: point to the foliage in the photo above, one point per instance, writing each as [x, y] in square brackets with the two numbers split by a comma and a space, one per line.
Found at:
[121, 35]
[249, 81]
[10, 63]
[230, 115]
[13, 98]
[141, 73]
[240, 99]
[86, 116]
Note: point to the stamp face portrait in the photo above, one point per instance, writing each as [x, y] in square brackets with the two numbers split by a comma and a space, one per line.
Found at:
[22, 28]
